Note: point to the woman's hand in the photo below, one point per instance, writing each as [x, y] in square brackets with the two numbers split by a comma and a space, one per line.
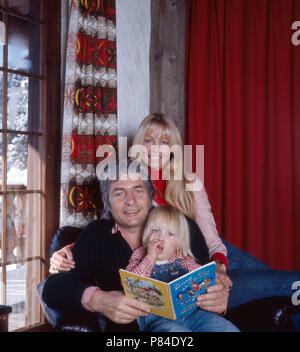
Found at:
[62, 260]
[216, 297]
[193, 182]
[222, 276]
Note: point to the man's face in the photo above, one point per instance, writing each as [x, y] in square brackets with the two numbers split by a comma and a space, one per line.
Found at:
[130, 202]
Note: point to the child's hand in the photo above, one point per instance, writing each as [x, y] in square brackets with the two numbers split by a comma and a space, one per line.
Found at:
[154, 248]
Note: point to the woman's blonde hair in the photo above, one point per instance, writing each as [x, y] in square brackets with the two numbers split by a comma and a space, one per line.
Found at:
[175, 221]
[175, 193]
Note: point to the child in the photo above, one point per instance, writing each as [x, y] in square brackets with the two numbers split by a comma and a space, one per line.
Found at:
[165, 256]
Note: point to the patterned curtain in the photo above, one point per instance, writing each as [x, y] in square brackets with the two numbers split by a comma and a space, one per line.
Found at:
[90, 106]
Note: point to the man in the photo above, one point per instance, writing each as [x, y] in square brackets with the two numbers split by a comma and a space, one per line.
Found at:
[105, 246]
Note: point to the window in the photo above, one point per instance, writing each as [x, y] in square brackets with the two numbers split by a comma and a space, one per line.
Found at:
[24, 132]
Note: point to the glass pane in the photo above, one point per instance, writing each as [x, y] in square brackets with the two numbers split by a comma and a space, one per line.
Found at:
[23, 161]
[22, 244]
[1, 287]
[20, 292]
[16, 295]
[22, 226]
[23, 45]
[1, 160]
[0, 240]
[31, 8]
[1, 98]
[23, 108]
[2, 36]
[17, 156]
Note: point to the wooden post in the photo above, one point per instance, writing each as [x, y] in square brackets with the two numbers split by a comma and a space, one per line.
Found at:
[167, 59]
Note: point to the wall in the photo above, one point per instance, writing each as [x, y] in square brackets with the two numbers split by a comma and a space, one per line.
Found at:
[133, 45]
[151, 61]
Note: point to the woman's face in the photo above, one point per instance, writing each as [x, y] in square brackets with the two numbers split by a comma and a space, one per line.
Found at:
[157, 153]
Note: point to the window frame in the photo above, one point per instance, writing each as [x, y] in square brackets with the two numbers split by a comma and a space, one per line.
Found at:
[49, 134]
[51, 165]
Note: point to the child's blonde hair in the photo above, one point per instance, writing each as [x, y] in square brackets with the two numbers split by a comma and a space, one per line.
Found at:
[175, 192]
[175, 221]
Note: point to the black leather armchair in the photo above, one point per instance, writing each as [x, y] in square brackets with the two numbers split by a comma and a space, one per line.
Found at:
[268, 314]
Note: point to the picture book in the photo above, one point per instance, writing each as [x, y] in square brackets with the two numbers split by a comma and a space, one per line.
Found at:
[173, 299]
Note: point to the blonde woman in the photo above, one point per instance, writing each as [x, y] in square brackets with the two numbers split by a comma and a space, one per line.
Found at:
[155, 133]
[166, 255]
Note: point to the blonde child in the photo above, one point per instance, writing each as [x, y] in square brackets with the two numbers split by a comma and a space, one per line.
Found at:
[166, 255]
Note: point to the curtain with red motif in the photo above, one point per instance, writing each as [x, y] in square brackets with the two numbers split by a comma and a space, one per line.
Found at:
[90, 106]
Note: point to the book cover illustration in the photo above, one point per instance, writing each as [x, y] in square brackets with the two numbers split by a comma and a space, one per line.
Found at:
[170, 300]
[185, 289]
[153, 292]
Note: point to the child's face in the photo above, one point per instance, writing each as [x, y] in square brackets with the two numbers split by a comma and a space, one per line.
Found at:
[168, 242]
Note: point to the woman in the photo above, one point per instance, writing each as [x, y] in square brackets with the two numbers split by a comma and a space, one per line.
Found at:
[157, 131]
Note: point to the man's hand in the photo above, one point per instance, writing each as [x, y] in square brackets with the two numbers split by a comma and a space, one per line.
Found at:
[62, 260]
[216, 298]
[117, 307]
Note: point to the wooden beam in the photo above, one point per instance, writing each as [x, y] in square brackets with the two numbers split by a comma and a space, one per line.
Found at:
[167, 59]
[52, 155]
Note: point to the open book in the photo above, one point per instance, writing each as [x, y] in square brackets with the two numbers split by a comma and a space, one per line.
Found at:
[173, 299]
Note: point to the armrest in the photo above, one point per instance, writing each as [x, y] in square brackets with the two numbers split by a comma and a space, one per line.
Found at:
[75, 321]
[63, 319]
[266, 314]
[68, 320]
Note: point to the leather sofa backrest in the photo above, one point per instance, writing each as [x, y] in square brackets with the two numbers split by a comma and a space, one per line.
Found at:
[64, 236]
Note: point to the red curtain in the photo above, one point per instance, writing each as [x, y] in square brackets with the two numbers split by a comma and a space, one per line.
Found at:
[243, 105]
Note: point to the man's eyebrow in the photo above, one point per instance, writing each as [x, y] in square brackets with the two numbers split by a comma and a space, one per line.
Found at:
[138, 186]
[118, 189]
[124, 188]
